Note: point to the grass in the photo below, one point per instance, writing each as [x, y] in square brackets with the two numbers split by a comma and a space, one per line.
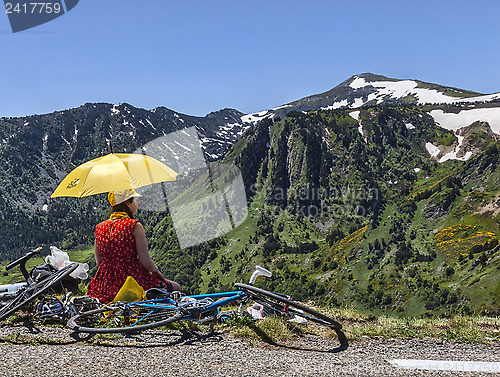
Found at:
[463, 329]
[271, 330]
[458, 328]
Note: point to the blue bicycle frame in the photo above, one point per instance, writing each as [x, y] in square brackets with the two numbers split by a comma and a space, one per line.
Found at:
[191, 314]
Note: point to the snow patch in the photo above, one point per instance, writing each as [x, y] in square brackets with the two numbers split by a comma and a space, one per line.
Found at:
[403, 88]
[410, 126]
[254, 118]
[358, 102]
[432, 149]
[336, 105]
[178, 117]
[394, 89]
[453, 155]
[485, 98]
[432, 96]
[355, 115]
[151, 124]
[358, 83]
[464, 118]
[182, 146]
[282, 107]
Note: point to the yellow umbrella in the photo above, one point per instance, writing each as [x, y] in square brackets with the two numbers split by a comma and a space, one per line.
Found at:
[115, 171]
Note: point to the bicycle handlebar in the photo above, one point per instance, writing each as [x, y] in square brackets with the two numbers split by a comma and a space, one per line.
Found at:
[22, 261]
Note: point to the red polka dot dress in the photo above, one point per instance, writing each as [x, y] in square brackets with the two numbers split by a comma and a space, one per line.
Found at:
[115, 244]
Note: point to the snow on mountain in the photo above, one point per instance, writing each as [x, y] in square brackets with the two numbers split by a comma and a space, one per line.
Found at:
[457, 122]
[251, 118]
[482, 98]
[453, 121]
[453, 155]
[432, 149]
[398, 89]
[337, 105]
[355, 115]
[369, 89]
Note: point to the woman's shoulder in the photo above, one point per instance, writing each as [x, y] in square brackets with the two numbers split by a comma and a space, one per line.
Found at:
[126, 223]
[128, 220]
[103, 223]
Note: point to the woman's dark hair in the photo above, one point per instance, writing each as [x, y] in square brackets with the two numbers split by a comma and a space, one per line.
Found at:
[123, 207]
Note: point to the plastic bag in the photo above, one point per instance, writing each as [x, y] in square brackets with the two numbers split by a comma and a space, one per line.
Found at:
[130, 291]
[81, 271]
[60, 259]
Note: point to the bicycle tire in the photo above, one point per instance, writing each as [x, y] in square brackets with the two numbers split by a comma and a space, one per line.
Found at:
[83, 322]
[280, 304]
[35, 291]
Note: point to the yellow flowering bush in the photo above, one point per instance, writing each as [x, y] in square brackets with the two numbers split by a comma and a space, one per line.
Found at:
[340, 252]
[457, 240]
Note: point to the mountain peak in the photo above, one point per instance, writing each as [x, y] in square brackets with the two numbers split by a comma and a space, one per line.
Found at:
[370, 77]
[367, 89]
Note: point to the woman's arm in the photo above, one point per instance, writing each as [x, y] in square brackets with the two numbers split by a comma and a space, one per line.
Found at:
[96, 255]
[142, 249]
[144, 257]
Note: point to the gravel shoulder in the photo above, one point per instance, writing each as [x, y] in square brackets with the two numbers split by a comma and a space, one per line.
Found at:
[54, 351]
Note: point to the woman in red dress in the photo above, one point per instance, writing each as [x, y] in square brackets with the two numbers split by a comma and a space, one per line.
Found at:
[121, 250]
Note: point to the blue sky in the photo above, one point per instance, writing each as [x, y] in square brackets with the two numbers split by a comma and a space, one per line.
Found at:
[198, 56]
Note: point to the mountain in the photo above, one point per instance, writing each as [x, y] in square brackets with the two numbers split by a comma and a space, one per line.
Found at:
[349, 192]
[453, 109]
[62, 140]
[353, 209]
[37, 151]
[390, 186]
[368, 89]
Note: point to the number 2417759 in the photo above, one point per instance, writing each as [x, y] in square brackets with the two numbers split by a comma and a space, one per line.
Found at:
[32, 8]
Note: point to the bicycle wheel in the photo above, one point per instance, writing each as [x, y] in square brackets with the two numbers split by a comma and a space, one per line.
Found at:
[123, 318]
[282, 306]
[126, 317]
[27, 296]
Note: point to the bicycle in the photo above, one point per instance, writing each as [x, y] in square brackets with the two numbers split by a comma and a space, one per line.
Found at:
[127, 317]
[14, 297]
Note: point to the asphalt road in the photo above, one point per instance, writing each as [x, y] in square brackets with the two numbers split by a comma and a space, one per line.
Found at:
[48, 351]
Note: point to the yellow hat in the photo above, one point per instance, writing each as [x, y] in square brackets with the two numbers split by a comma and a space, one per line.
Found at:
[119, 196]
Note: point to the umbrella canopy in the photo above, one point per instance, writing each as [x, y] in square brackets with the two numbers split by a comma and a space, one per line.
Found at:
[115, 171]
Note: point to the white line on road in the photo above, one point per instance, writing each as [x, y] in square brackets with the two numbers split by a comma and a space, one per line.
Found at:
[451, 366]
